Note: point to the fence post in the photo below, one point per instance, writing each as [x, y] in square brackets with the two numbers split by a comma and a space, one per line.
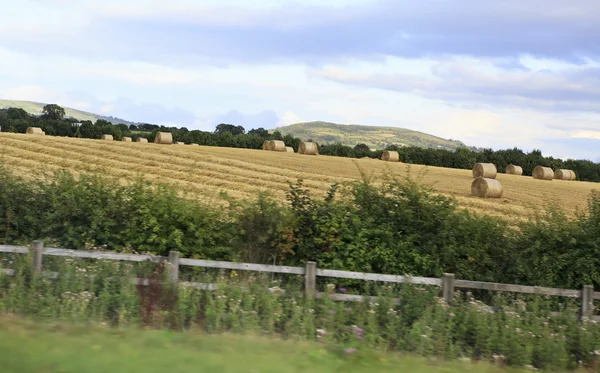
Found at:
[448, 287]
[37, 251]
[310, 278]
[587, 299]
[173, 266]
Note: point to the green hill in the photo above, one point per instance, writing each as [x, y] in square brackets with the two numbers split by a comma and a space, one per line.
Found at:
[35, 108]
[374, 137]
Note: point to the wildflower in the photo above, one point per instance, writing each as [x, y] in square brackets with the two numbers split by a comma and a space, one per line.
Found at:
[342, 290]
[321, 333]
[349, 351]
[331, 312]
[348, 309]
[276, 290]
[330, 288]
[358, 332]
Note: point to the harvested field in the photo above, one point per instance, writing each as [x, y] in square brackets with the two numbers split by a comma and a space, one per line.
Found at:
[202, 172]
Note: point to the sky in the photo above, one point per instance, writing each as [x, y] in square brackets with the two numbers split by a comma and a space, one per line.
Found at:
[495, 74]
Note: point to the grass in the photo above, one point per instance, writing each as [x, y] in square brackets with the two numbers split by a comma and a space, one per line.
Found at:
[204, 172]
[27, 347]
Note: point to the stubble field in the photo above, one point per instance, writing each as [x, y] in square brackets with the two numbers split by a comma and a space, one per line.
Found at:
[203, 172]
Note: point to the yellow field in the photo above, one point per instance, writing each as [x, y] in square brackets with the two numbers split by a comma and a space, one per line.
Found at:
[205, 171]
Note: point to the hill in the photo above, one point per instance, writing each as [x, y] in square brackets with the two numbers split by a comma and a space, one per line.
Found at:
[204, 171]
[374, 137]
[35, 108]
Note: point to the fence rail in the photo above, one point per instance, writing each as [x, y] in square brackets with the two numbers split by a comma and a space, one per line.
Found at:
[448, 283]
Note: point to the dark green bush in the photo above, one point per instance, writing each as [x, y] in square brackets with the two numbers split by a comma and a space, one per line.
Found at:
[96, 212]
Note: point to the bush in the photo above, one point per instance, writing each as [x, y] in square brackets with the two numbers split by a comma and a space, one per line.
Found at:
[394, 227]
[96, 212]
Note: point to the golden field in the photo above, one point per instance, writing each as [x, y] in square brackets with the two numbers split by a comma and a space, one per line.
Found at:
[203, 172]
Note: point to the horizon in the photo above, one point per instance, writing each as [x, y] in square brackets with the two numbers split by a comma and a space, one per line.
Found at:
[498, 76]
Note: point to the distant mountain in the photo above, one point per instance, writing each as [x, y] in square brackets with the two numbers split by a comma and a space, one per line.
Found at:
[373, 136]
[35, 108]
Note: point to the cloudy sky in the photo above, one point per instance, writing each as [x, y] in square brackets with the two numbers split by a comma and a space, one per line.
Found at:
[497, 73]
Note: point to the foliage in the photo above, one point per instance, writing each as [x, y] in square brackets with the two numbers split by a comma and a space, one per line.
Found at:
[91, 212]
[511, 331]
[53, 112]
[399, 228]
[394, 227]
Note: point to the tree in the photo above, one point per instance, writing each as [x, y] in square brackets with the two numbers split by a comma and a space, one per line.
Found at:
[16, 113]
[54, 112]
[362, 148]
[234, 130]
[259, 132]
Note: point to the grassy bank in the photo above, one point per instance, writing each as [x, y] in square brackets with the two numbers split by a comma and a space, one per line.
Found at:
[27, 347]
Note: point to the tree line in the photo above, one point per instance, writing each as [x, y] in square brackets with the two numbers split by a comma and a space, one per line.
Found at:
[54, 123]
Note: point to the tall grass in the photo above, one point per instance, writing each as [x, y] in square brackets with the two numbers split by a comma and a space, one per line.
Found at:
[516, 331]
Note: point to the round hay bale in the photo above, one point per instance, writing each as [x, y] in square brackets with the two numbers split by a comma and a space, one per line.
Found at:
[165, 138]
[107, 137]
[194, 145]
[289, 149]
[126, 139]
[390, 156]
[543, 173]
[142, 140]
[486, 188]
[562, 174]
[486, 170]
[178, 143]
[308, 148]
[573, 175]
[514, 170]
[277, 146]
[266, 145]
[35, 131]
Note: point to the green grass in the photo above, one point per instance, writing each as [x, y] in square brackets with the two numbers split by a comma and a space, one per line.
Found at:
[27, 346]
[375, 137]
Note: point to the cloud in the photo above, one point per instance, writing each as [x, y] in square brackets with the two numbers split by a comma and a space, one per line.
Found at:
[186, 32]
[461, 82]
[122, 107]
[267, 119]
[288, 118]
[586, 148]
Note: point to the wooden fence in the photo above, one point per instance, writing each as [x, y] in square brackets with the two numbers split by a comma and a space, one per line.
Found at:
[310, 272]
